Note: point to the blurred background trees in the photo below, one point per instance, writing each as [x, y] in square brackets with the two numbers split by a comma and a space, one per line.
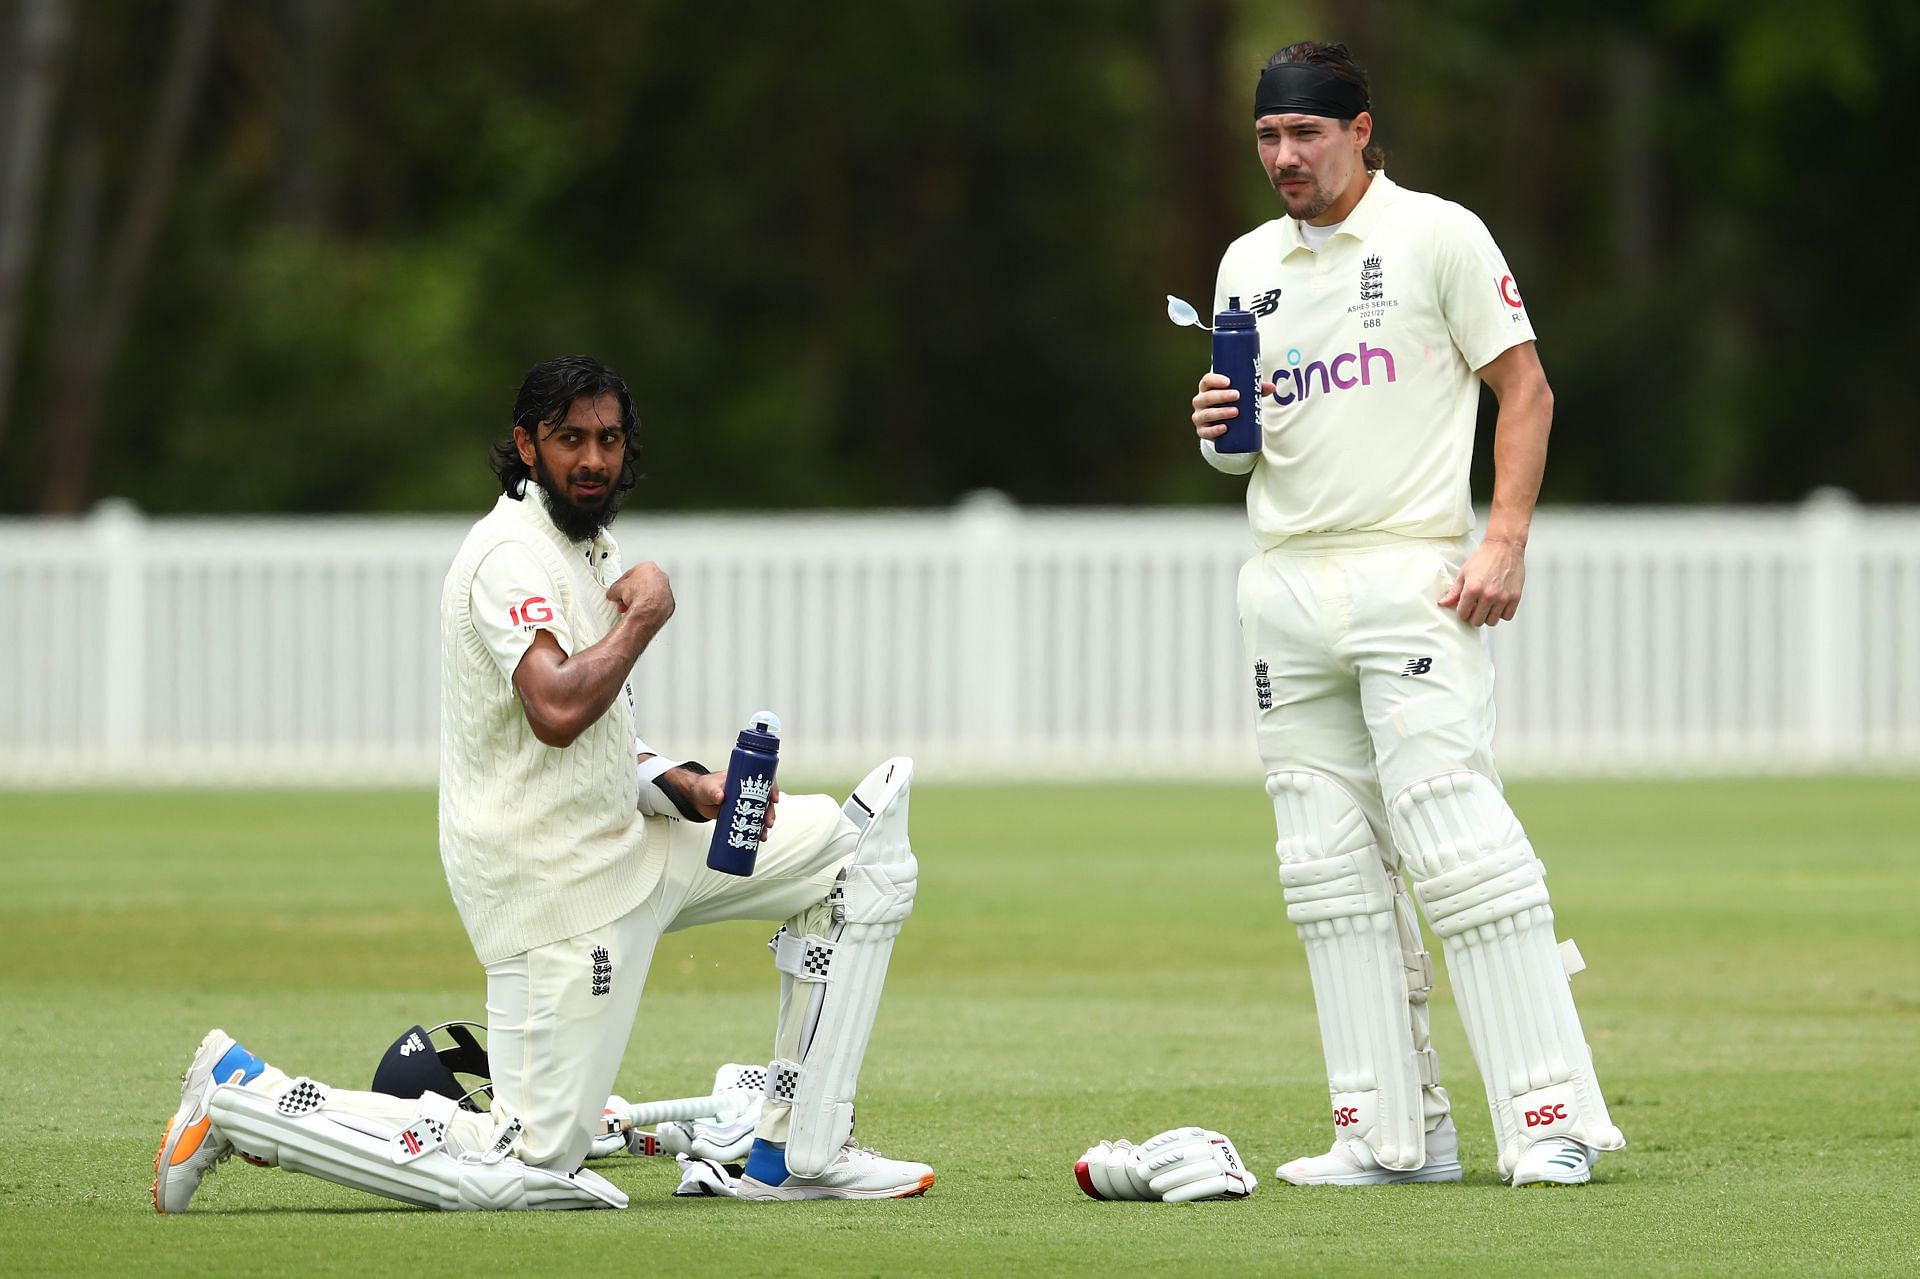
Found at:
[295, 256]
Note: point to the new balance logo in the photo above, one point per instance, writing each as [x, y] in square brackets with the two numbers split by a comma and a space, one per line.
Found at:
[1417, 666]
[1265, 304]
[412, 1045]
[602, 971]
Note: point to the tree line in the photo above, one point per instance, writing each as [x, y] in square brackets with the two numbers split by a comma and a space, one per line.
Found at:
[296, 256]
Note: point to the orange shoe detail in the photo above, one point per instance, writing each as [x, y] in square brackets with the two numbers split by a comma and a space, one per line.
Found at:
[189, 1141]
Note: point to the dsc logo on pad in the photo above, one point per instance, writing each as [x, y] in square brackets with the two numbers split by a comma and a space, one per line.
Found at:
[1546, 1115]
[1345, 1116]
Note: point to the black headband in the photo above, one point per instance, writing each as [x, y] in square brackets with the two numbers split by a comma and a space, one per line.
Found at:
[1301, 88]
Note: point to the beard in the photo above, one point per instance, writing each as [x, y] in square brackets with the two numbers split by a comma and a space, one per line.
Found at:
[577, 523]
[1315, 200]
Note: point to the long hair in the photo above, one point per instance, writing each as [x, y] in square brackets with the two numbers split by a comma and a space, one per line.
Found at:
[546, 395]
[1339, 60]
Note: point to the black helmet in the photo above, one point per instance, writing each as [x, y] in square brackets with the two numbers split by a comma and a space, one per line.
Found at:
[415, 1064]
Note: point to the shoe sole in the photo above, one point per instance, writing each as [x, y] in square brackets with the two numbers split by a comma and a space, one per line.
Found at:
[1416, 1176]
[751, 1189]
[1581, 1180]
[197, 1133]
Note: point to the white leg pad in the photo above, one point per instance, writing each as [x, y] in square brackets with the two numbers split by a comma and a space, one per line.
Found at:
[833, 981]
[295, 1129]
[1486, 896]
[1364, 959]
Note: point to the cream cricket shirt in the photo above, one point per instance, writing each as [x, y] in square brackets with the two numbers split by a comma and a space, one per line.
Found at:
[1371, 345]
[539, 843]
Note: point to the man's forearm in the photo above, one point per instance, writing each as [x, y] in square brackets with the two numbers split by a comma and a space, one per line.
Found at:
[1519, 462]
[579, 689]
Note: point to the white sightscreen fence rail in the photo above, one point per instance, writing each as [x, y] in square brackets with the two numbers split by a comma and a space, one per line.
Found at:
[989, 642]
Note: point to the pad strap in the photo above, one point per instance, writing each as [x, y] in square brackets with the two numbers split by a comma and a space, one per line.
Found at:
[802, 958]
[428, 1131]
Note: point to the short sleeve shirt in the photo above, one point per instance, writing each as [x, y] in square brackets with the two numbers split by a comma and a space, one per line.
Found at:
[1373, 346]
[513, 601]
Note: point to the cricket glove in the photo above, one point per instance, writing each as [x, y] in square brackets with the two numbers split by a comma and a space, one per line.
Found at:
[1178, 1166]
[727, 1137]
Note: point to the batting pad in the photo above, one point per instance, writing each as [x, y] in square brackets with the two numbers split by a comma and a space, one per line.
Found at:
[1370, 978]
[831, 977]
[1486, 896]
[297, 1128]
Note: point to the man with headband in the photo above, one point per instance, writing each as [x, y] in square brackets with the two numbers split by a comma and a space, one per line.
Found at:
[1380, 312]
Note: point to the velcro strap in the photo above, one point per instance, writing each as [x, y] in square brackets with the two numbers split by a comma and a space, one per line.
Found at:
[301, 1097]
[428, 1131]
[502, 1143]
[1427, 1066]
[803, 958]
[1419, 967]
[783, 1081]
[1571, 959]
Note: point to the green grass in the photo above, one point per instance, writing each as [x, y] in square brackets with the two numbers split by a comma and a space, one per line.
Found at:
[1083, 963]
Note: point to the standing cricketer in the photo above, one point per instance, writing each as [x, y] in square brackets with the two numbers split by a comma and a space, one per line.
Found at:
[567, 861]
[1381, 311]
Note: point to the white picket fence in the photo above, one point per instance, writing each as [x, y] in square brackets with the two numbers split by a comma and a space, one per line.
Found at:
[988, 641]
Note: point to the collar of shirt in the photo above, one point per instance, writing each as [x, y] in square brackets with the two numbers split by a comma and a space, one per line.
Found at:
[1367, 213]
[532, 507]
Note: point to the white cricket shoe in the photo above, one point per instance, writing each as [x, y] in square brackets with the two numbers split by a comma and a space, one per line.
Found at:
[1351, 1163]
[855, 1173]
[190, 1147]
[1558, 1161]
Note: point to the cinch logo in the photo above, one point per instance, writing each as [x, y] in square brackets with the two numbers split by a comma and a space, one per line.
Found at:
[1296, 383]
[1345, 1116]
[1546, 1115]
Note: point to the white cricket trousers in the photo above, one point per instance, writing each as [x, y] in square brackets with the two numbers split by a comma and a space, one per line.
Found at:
[1355, 669]
[559, 1016]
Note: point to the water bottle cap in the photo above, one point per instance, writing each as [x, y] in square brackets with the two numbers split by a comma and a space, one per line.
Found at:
[765, 722]
[1233, 317]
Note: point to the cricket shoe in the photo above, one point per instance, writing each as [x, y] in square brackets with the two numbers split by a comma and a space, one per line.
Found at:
[855, 1173]
[1555, 1161]
[1351, 1163]
[190, 1147]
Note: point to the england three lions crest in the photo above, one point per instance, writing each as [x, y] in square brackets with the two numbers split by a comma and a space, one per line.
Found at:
[1373, 290]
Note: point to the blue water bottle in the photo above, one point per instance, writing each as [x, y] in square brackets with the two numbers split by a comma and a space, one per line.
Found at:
[1236, 353]
[743, 813]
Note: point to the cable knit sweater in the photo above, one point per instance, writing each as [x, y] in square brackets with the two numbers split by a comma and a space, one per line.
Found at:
[539, 843]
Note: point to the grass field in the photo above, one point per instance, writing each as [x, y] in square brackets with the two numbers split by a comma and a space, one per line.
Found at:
[1083, 963]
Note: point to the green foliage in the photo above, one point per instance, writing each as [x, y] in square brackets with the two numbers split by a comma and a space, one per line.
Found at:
[857, 255]
[1082, 963]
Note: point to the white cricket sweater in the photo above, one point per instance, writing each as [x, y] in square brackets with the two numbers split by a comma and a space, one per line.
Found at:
[540, 843]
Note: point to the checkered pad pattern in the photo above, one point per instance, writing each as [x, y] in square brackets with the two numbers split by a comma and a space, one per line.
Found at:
[773, 942]
[818, 961]
[302, 1098]
[783, 1081]
[753, 1079]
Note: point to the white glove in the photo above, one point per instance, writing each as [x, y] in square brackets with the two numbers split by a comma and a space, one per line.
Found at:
[1178, 1166]
[1111, 1170]
[1184, 1164]
[703, 1178]
[727, 1137]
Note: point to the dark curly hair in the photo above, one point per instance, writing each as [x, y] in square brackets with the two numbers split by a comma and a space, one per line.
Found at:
[1338, 59]
[546, 395]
